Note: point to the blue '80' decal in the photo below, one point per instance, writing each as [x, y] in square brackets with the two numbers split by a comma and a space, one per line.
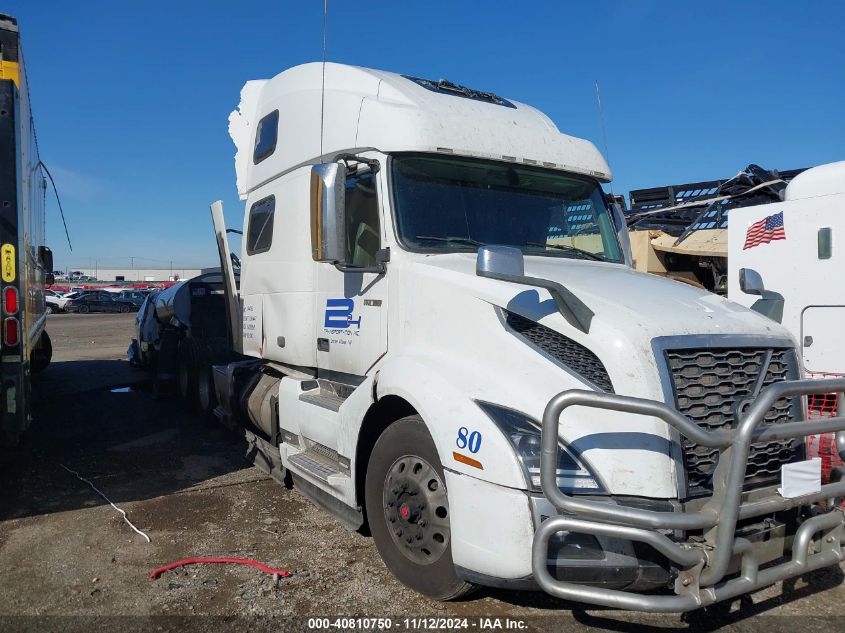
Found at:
[471, 441]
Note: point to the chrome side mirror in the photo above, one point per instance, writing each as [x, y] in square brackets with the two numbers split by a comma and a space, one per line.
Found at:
[499, 260]
[506, 263]
[328, 204]
[750, 281]
[622, 233]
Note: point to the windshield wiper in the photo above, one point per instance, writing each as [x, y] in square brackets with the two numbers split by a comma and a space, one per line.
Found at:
[460, 240]
[571, 249]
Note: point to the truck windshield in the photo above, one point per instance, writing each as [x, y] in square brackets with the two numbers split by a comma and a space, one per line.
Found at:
[458, 204]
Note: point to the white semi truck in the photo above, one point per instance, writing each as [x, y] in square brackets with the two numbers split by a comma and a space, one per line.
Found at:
[803, 264]
[437, 333]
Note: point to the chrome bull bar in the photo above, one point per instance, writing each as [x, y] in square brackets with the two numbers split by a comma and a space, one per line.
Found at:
[702, 569]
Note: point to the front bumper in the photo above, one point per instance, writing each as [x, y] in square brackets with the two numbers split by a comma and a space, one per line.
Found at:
[702, 565]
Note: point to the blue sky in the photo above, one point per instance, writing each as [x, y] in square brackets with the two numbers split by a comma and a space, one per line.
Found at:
[131, 98]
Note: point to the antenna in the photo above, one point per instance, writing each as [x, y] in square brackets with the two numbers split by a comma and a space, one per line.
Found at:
[56, 191]
[323, 87]
[603, 128]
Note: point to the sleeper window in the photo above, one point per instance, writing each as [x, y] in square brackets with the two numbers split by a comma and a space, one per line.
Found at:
[362, 225]
[265, 137]
[260, 232]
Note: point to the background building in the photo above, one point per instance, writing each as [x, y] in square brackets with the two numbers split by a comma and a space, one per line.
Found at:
[137, 274]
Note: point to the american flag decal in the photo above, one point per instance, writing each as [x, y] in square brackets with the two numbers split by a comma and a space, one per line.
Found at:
[764, 231]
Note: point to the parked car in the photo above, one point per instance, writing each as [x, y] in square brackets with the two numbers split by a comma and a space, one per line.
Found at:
[54, 301]
[136, 297]
[99, 302]
[60, 300]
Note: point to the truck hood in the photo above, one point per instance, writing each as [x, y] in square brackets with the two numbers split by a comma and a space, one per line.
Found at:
[640, 305]
[455, 318]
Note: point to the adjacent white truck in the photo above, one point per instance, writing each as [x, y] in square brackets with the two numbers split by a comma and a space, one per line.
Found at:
[803, 266]
[438, 334]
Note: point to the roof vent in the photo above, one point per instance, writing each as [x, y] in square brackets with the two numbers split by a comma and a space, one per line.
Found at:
[446, 87]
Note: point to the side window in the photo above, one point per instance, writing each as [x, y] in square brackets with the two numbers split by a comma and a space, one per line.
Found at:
[362, 219]
[259, 233]
[265, 137]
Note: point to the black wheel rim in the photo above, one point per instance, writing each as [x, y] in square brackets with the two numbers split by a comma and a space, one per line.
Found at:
[416, 509]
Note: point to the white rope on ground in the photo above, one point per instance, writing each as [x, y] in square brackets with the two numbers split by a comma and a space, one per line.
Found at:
[99, 492]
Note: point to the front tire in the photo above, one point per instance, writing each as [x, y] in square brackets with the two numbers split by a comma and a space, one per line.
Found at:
[83, 309]
[124, 309]
[408, 510]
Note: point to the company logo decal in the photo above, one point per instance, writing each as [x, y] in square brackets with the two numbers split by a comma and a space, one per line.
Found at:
[339, 315]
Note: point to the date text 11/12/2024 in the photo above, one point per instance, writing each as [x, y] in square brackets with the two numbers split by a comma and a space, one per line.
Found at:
[417, 624]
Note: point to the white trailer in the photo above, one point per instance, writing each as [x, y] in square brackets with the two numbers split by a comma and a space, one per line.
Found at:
[437, 332]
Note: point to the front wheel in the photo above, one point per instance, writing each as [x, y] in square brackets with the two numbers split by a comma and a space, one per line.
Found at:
[83, 309]
[408, 510]
[124, 309]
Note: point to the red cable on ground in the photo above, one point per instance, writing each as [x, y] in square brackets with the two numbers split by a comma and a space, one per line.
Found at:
[284, 573]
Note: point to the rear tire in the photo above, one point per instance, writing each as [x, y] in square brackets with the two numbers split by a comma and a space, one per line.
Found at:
[206, 395]
[40, 356]
[405, 496]
[84, 309]
[124, 309]
[186, 375]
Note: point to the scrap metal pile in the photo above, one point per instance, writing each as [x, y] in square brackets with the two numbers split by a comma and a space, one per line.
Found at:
[680, 231]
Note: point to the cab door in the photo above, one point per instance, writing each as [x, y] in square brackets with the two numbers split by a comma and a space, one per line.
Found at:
[822, 343]
[352, 306]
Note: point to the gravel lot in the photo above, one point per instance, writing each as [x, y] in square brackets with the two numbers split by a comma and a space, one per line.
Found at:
[68, 557]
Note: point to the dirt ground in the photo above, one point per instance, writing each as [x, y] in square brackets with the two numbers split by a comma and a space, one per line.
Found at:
[69, 562]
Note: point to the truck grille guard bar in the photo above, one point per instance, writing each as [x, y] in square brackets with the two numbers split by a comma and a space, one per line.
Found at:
[702, 567]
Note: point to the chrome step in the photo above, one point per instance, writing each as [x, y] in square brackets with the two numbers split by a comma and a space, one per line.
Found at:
[324, 399]
[318, 465]
[330, 394]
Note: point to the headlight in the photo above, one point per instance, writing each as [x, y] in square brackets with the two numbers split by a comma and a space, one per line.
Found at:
[524, 435]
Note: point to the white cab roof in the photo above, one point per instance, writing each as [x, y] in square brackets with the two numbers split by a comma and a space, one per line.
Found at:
[823, 180]
[367, 108]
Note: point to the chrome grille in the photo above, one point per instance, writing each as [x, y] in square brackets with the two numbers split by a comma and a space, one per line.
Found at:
[709, 386]
[572, 354]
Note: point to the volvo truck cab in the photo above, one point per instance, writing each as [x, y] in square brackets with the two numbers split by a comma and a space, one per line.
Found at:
[438, 333]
